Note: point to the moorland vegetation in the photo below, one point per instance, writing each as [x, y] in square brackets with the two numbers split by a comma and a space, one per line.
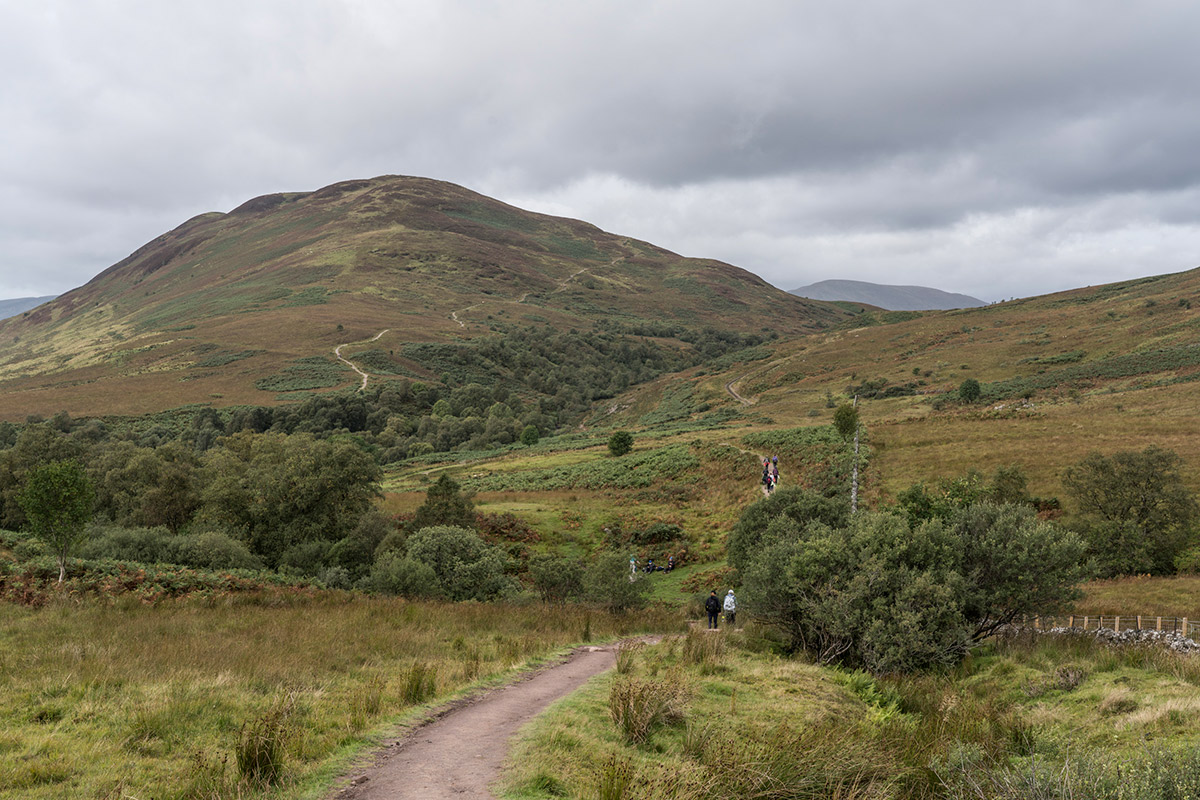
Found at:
[282, 562]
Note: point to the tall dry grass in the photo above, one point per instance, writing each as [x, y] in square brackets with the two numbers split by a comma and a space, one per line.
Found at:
[182, 699]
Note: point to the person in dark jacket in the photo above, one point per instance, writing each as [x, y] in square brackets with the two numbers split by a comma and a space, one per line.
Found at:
[713, 606]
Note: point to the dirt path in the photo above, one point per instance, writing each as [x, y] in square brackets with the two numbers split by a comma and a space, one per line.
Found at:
[461, 751]
[733, 392]
[337, 351]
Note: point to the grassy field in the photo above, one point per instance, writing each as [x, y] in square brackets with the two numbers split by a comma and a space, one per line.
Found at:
[708, 716]
[206, 700]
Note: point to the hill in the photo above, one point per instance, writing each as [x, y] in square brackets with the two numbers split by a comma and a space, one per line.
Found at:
[247, 307]
[1104, 368]
[17, 305]
[892, 298]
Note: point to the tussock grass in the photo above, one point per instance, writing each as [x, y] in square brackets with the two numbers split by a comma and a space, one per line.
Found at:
[761, 726]
[237, 699]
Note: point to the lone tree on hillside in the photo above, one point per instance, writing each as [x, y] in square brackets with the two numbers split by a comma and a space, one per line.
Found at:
[1138, 513]
[845, 420]
[620, 443]
[969, 390]
[57, 501]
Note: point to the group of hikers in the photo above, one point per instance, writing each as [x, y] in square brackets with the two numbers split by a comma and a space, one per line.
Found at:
[770, 474]
[713, 606]
[650, 566]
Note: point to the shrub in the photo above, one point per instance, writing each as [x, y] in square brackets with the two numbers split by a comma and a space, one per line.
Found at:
[555, 578]
[607, 583]
[969, 390]
[881, 594]
[620, 443]
[466, 567]
[395, 574]
[304, 558]
[530, 436]
[209, 550]
[126, 544]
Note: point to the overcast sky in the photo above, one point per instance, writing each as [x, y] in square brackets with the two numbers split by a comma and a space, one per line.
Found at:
[995, 149]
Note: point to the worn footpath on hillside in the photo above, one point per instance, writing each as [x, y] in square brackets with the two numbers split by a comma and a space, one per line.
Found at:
[461, 751]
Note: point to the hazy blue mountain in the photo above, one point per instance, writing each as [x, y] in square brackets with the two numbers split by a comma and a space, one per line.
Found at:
[893, 298]
[18, 305]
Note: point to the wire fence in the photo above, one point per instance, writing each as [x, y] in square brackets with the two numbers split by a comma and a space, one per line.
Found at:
[1114, 622]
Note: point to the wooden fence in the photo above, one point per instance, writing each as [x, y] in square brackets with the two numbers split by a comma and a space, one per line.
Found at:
[1183, 625]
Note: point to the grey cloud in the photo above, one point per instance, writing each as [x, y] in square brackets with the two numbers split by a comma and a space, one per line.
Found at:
[909, 142]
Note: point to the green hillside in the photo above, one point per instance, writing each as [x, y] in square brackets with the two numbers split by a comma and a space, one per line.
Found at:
[235, 308]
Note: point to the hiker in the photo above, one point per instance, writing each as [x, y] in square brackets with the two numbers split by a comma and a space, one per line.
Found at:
[774, 472]
[730, 608]
[766, 477]
[632, 569]
[649, 565]
[670, 562]
[713, 606]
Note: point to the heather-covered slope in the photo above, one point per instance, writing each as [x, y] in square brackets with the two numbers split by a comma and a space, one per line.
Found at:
[267, 291]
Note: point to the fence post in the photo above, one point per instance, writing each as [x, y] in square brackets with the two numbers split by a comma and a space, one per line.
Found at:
[1185, 627]
[1071, 621]
[1139, 622]
[1117, 623]
[1085, 622]
[1158, 625]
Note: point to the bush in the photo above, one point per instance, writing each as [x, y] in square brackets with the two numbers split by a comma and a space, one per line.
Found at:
[556, 579]
[1138, 513]
[209, 550]
[304, 558]
[880, 594]
[781, 515]
[395, 574]
[145, 545]
[466, 567]
[607, 583]
[969, 390]
[620, 443]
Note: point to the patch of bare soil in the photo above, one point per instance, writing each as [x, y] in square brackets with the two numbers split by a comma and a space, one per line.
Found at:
[462, 748]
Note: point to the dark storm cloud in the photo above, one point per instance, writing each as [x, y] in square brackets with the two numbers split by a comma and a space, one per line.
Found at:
[994, 149]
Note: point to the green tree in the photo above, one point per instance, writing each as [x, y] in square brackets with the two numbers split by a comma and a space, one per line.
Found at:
[36, 444]
[873, 591]
[1137, 513]
[620, 443]
[467, 567]
[57, 501]
[873, 594]
[606, 583]
[530, 436]
[969, 390]
[557, 579]
[1013, 565]
[782, 515]
[275, 491]
[845, 420]
[445, 504]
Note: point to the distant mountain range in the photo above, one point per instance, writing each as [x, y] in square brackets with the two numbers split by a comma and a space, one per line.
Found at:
[892, 298]
[18, 305]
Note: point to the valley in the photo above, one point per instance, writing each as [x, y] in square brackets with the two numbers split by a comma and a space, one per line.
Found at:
[353, 459]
